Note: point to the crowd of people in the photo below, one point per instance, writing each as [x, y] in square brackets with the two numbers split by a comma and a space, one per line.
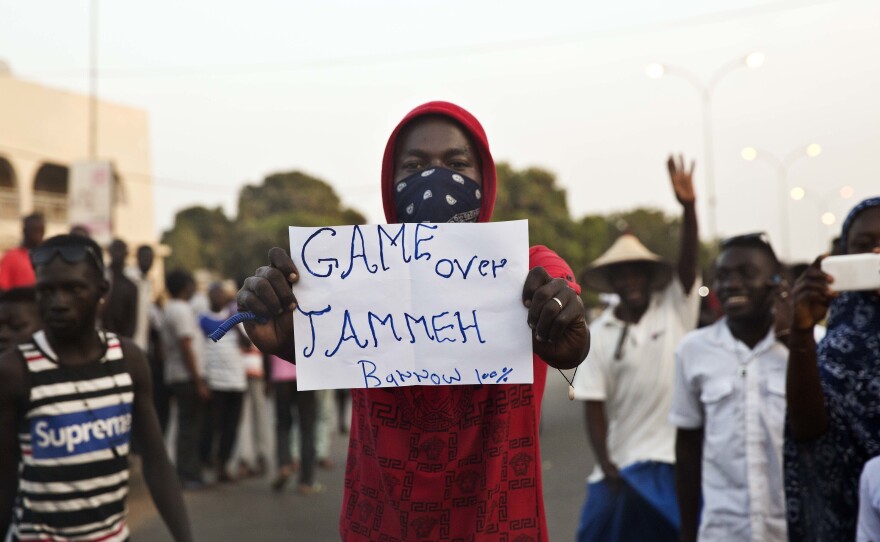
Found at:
[754, 420]
[222, 430]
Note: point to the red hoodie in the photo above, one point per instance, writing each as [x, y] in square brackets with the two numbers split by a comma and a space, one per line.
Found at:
[448, 462]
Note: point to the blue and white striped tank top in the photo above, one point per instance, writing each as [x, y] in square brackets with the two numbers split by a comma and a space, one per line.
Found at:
[74, 441]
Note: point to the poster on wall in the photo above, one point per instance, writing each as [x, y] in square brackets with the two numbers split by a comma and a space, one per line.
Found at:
[91, 199]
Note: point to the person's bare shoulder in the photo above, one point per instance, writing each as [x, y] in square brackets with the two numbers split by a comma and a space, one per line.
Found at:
[135, 361]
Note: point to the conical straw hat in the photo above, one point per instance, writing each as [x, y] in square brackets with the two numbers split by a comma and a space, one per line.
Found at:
[626, 249]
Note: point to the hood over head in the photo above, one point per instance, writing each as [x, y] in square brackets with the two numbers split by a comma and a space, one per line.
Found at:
[474, 130]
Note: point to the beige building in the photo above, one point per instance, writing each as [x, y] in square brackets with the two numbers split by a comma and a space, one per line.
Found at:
[42, 132]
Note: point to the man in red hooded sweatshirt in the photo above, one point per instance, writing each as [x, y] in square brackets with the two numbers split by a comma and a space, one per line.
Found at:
[445, 462]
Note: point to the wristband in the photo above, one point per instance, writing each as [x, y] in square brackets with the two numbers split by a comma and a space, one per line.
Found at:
[233, 321]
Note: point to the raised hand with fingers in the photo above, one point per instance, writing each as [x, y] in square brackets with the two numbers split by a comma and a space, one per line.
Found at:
[269, 295]
[682, 179]
[556, 315]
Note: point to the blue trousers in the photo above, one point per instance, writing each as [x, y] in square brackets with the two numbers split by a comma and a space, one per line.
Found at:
[645, 508]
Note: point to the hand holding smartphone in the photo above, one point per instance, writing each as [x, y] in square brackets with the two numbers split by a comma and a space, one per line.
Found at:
[853, 271]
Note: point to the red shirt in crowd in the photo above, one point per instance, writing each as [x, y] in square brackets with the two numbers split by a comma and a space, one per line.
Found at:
[16, 270]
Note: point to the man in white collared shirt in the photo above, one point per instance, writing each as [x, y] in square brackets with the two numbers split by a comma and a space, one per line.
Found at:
[729, 405]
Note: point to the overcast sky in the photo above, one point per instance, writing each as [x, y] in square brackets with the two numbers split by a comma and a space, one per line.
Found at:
[237, 90]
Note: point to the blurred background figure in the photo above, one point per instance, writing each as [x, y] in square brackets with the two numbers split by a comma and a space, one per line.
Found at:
[343, 408]
[325, 420]
[120, 314]
[19, 317]
[253, 443]
[225, 374]
[292, 404]
[79, 229]
[183, 351]
[147, 334]
[140, 277]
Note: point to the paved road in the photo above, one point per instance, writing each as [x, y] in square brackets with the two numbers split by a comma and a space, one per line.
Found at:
[250, 511]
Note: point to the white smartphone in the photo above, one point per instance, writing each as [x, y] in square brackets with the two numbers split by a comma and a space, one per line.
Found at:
[853, 271]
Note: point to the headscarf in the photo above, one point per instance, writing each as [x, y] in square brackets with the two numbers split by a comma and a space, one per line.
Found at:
[822, 476]
[850, 218]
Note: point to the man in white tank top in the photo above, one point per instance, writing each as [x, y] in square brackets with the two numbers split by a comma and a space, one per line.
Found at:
[71, 399]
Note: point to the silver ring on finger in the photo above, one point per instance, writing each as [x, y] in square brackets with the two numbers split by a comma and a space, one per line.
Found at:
[556, 299]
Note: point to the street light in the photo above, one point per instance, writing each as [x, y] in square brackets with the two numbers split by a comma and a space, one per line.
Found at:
[826, 205]
[828, 218]
[782, 166]
[657, 70]
[755, 60]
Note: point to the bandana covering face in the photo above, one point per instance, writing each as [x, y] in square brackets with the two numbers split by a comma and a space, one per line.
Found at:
[477, 137]
[437, 195]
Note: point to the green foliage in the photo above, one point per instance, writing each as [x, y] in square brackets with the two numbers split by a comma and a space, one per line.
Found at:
[207, 239]
[532, 194]
[285, 192]
[198, 239]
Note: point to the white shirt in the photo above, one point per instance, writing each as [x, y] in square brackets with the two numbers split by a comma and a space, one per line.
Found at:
[637, 389]
[869, 503]
[224, 361]
[737, 396]
[179, 321]
[145, 301]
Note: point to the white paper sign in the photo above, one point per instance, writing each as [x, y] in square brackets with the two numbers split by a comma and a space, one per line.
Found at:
[411, 304]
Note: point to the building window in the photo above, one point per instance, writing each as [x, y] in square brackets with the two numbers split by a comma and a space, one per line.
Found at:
[8, 191]
[50, 192]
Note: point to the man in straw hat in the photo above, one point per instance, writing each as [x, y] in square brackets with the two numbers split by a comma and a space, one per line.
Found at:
[627, 381]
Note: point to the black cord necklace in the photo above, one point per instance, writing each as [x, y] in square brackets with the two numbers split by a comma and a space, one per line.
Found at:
[570, 382]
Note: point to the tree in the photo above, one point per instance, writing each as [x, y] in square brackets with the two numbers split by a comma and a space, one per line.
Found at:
[283, 193]
[532, 194]
[206, 239]
[198, 239]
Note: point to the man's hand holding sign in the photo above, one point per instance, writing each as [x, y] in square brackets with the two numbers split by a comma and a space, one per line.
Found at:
[397, 305]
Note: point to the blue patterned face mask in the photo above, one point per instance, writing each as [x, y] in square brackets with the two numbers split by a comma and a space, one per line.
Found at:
[437, 195]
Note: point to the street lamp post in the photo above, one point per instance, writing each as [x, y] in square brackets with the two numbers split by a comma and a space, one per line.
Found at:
[782, 165]
[706, 90]
[824, 203]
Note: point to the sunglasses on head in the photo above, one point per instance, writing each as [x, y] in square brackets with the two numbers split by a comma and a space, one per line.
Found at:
[68, 253]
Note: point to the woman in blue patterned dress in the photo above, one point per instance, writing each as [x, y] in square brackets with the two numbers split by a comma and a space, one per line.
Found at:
[833, 393]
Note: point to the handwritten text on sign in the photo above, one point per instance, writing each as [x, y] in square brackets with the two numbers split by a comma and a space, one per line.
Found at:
[411, 304]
